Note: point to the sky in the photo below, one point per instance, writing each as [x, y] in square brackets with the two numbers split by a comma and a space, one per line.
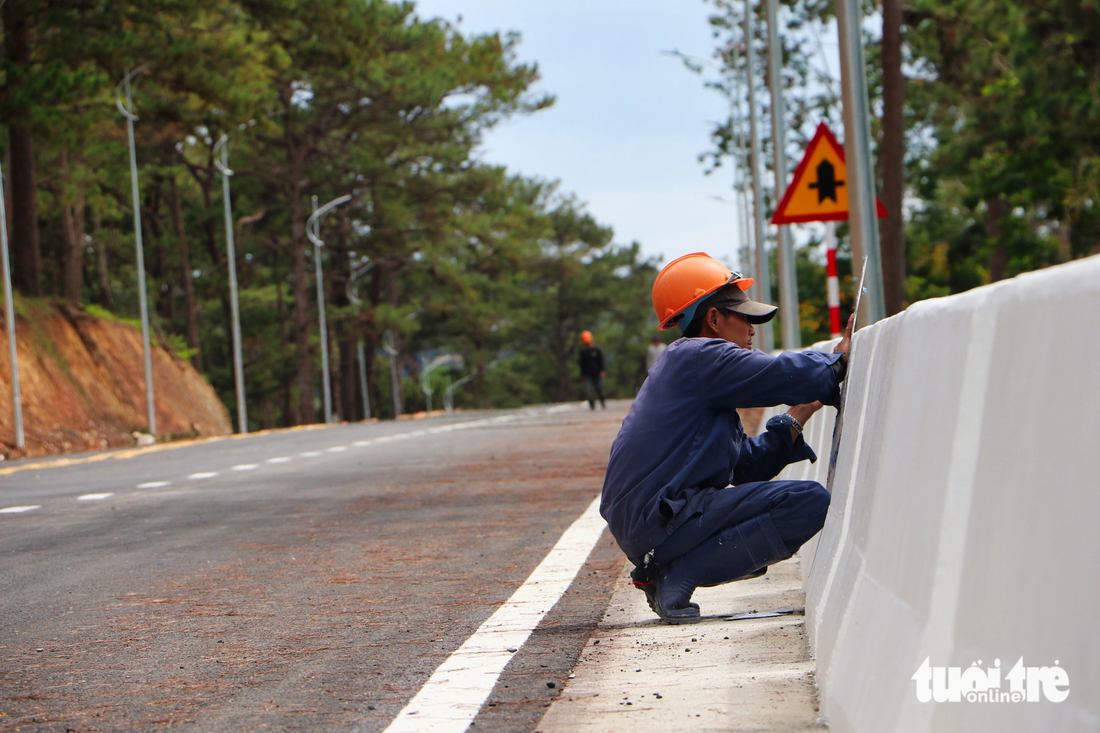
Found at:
[629, 122]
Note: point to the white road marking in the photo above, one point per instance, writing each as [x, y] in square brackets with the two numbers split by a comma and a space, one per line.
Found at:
[384, 439]
[203, 474]
[19, 509]
[280, 459]
[336, 449]
[401, 436]
[451, 697]
[310, 454]
[246, 467]
[154, 484]
[362, 443]
[94, 497]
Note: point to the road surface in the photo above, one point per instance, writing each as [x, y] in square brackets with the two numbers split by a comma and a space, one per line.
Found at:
[309, 579]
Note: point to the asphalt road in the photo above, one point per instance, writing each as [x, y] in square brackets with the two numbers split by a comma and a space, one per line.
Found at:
[309, 579]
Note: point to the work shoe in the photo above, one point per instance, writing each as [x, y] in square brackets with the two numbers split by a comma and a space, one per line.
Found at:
[737, 553]
[645, 581]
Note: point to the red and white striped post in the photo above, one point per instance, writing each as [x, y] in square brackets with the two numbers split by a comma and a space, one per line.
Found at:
[832, 283]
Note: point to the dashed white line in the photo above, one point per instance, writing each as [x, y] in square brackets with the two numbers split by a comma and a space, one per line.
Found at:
[19, 509]
[336, 449]
[154, 484]
[384, 439]
[279, 459]
[203, 474]
[362, 443]
[310, 454]
[95, 497]
[246, 466]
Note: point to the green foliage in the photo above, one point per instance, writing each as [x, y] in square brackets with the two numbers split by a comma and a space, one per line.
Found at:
[1003, 133]
[318, 97]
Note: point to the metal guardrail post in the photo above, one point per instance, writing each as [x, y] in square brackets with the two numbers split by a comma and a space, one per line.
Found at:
[221, 162]
[127, 111]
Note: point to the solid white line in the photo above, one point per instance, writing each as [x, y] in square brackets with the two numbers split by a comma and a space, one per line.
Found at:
[94, 497]
[280, 459]
[19, 509]
[203, 474]
[154, 484]
[454, 693]
[246, 466]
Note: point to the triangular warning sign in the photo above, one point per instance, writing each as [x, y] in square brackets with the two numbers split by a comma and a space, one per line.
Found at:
[819, 191]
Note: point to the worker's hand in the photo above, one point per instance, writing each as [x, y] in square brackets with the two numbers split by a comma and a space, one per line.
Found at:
[846, 342]
[802, 413]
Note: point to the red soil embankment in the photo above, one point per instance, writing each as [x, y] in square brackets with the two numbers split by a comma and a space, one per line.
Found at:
[82, 380]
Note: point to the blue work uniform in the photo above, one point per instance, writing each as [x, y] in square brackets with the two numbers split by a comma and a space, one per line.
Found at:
[682, 456]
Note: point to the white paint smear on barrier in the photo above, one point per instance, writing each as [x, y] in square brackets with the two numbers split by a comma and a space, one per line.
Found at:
[454, 693]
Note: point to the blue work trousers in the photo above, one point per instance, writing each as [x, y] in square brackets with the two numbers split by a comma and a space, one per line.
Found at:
[797, 510]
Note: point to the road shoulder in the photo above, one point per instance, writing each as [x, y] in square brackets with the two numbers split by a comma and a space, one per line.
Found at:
[753, 674]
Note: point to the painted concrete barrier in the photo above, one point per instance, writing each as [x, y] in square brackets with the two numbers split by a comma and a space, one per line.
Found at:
[964, 530]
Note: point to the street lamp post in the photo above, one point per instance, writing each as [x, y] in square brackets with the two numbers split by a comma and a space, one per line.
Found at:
[391, 350]
[221, 162]
[357, 271]
[9, 308]
[425, 383]
[763, 276]
[313, 229]
[127, 111]
[788, 283]
[863, 215]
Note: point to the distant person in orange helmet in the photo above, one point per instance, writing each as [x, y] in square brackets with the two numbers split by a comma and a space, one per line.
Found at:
[690, 499]
[592, 369]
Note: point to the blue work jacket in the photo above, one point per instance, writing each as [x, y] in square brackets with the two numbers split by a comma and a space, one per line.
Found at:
[683, 439]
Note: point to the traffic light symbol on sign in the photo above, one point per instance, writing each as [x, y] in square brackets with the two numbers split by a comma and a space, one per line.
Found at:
[818, 191]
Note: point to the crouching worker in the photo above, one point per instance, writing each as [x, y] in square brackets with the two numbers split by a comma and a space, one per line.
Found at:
[687, 495]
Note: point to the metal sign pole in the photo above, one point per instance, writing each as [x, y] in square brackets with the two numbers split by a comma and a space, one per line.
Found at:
[862, 218]
[788, 283]
[764, 294]
[128, 112]
[313, 230]
[221, 161]
[9, 308]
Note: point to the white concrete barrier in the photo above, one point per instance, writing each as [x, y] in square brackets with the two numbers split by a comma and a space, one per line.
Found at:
[965, 520]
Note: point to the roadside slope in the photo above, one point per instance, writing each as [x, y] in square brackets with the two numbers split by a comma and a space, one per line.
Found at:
[83, 385]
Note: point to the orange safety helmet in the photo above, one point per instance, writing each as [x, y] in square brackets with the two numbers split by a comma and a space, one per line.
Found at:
[586, 338]
[687, 281]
